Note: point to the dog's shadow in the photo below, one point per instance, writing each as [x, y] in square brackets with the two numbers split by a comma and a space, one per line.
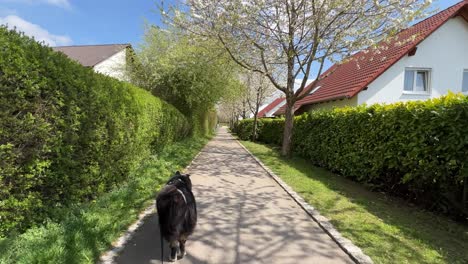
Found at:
[145, 245]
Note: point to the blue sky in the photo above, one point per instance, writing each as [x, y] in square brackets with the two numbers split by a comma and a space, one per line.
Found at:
[76, 22]
[80, 22]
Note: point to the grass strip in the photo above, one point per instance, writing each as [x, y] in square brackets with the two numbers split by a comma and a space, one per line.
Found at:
[88, 230]
[387, 229]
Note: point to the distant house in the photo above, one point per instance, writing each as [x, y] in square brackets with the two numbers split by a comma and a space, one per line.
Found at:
[271, 108]
[110, 59]
[277, 100]
[425, 61]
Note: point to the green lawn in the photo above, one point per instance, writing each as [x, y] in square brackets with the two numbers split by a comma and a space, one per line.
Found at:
[387, 229]
[88, 230]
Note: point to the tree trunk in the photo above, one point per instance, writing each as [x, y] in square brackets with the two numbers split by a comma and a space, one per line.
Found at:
[257, 106]
[288, 129]
[244, 111]
[254, 132]
[465, 194]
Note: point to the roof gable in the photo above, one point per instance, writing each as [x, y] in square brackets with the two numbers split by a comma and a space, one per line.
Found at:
[348, 79]
[90, 55]
[270, 107]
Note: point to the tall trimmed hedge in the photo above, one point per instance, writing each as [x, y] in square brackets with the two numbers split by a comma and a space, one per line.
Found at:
[418, 150]
[68, 134]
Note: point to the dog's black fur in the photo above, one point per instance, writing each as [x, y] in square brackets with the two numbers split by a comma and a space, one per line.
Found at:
[177, 216]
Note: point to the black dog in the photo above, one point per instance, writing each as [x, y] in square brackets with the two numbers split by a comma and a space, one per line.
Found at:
[177, 213]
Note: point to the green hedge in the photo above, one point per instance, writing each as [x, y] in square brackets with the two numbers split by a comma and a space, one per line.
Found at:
[68, 134]
[203, 122]
[87, 230]
[418, 150]
[269, 130]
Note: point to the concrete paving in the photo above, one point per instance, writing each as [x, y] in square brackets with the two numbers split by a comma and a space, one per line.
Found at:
[244, 217]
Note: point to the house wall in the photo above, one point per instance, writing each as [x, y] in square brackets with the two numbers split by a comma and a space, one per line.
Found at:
[114, 66]
[331, 104]
[444, 52]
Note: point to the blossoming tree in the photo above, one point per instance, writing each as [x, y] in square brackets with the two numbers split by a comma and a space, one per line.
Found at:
[286, 40]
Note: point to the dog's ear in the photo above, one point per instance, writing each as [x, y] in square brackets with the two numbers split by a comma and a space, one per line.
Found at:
[177, 173]
[188, 175]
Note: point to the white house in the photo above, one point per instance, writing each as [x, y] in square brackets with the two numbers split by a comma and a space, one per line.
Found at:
[110, 59]
[425, 61]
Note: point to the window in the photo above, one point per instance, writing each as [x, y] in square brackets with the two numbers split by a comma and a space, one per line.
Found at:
[417, 80]
[465, 81]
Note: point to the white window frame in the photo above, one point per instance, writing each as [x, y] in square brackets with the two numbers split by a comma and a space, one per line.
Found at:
[428, 80]
[463, 74]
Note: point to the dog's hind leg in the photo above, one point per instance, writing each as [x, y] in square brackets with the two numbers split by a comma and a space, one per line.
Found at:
[174, 246]
[182, 252]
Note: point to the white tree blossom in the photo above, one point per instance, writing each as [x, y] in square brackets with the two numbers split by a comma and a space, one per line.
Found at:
[289, 39]
[258, 89]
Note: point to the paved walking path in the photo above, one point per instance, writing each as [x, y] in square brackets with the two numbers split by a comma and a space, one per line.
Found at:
[244, 217]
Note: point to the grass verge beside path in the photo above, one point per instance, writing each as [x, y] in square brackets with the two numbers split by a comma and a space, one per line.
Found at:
[88, 230]
[385, 228]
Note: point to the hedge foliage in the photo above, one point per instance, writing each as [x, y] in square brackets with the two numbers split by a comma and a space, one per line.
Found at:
[68, 134]
[418, 150]
[184, 73]
[87, 230]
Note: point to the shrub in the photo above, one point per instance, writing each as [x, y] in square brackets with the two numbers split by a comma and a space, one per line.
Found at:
[417, 150]
[243, 129]
[203, 122]
[270, 131]
[68, 134]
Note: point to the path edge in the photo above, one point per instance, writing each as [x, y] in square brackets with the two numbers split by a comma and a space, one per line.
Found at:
[356, 254]
[119, 244]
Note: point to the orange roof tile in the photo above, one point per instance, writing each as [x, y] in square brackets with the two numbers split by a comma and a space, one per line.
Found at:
[348, 79]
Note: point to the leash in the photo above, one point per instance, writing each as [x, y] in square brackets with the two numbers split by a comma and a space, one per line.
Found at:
[162, 245]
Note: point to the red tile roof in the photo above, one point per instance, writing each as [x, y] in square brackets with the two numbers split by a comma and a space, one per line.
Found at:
[270, 107]
[348, 79]
[90, 55]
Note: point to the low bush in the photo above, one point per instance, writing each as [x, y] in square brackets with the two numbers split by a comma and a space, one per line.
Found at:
[269, 131]
[68, 134]
[243, 128]
[272, 131]
[418, 150]
[203, 122]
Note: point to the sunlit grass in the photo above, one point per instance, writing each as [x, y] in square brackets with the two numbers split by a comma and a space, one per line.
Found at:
[387, 229]
[88, 230]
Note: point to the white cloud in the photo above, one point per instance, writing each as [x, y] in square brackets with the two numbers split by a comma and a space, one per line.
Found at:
[34, 30]
[60, 3]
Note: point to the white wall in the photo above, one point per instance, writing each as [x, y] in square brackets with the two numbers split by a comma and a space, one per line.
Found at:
[445, 52]
[113, 66]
